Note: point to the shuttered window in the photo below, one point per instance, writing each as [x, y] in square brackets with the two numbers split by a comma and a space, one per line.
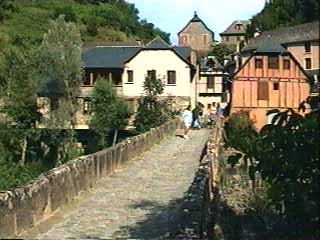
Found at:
[263, 90]
[286, 64]
[258, 63]
[273, 62]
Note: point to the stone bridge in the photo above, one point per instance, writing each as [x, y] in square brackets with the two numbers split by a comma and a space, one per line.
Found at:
[142, 199]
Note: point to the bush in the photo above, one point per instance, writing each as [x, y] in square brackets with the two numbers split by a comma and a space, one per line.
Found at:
[13, 175]
[287, 155]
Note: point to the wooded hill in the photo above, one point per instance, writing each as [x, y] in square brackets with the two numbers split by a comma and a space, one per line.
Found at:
[23, 22]
[277, 13]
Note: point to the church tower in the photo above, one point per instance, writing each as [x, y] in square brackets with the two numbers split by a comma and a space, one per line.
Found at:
[196, 35]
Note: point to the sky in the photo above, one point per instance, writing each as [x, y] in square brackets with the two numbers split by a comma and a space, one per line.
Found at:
[172, 15]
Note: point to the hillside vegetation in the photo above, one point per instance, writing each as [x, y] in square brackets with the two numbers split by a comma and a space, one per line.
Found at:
[23, 22]
[277, 13]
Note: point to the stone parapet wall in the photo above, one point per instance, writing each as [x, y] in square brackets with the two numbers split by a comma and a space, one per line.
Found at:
[27, 206]
[202, 201]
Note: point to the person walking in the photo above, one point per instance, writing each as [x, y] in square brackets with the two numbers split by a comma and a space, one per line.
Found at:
[187, 119]
[219, 112]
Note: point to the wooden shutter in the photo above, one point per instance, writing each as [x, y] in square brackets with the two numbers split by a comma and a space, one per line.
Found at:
[263, 90]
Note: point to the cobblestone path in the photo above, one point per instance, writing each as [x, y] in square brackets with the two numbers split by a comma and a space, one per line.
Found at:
[140, 201]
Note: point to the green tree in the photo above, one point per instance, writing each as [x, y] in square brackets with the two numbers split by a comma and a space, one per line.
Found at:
[60, 69]
[152, 111]
[110, 113]
[277, 13]
[220, 51]
[287, 155]
[19, 98]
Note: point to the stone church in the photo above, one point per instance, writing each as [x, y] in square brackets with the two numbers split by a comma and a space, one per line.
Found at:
[196, 35]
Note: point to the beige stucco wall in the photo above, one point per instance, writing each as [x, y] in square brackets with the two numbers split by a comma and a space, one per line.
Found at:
[161, 61]
[298, 51]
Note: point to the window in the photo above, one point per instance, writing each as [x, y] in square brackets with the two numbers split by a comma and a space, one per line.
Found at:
[171, 76]
[227, 38]
[275, 86]
[258, 63]
[184, 39]
[238, 26]
[238, 38]
[130, 76]
[152, 74]
[307, 47]
[54, 104]
[273, 62]
[210, 82]
[86, 106]
[308, 63]
[286, 64]
[205, 38]
[263, 90]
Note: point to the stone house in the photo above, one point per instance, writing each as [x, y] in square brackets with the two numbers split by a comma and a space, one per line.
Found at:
[302, 41]
[128, 66]
[270, 78]
[197, 35]
[235, 34]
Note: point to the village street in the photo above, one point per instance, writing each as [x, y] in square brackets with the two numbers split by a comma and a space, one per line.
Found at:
[140, 201]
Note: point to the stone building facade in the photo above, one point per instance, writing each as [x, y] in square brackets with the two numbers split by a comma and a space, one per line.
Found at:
[235, 33]
[196, 35]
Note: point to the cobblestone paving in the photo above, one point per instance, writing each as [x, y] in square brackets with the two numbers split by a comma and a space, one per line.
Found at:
[141, 201]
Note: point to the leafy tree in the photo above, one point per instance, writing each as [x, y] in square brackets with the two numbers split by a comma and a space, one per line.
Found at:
[287, 155]
[60, 68]
[220, 51]
[152, 111]
[110, 113]
[19, 98]
[5, 7]
[277, 13]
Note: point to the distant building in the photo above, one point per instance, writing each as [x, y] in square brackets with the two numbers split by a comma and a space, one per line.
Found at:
[302, 41]
[128, 66]
[197, 35]
[235, 33]
[270, 78]
[211, 88]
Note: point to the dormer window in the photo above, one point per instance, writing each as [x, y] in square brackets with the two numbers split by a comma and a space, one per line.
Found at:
[238, 26]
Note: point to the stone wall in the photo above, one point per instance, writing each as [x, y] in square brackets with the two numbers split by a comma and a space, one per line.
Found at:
[201, 203]
[27, 206]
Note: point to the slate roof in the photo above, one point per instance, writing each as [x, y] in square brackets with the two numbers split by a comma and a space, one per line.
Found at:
[108, 57]
[117, 56]
[286, 35]
[232, 28]
[268, 45]
[158, 43]
[196, 18]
